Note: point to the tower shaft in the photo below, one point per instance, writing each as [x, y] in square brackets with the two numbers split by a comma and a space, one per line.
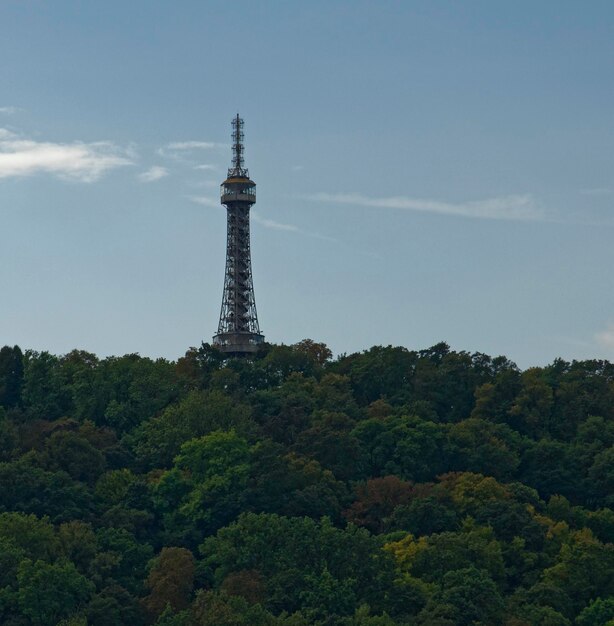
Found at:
[238, 331]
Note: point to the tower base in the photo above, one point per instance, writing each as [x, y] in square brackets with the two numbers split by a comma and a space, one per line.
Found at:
[238, 344]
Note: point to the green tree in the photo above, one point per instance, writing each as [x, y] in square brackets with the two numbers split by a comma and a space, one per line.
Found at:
[329, 440]
[326, 597]
[292, 485]
[168, 617]
[584, 570]
[333, 393]
[532, 409]
[596, 432]
[77, 543]
[582, 389]
[598, 613]
[113, 486]
[198, 364]
[432, 513]
[381, 372]
[601, 475]
[494, 400]
[11, 376]
[552, 468]
[207, 487]
[44, 394]
[218, 609]
[218, 466]
[467, 596]
[122, 392]
[283, 361]
[9, 437]
[480, 446]
[511, 519]
[362, 617]
[36, 537]
[318, 352]
[121, 559]
[72, 453]
[28, 488]
[11, 555]
[406, 446]
[114, 606]
[540, 615]
[431, 558]
[49, 592]
[284, 411]
[292, 553]
[156, 442]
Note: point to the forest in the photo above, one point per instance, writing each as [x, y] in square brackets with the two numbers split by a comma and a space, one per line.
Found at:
[387, 487]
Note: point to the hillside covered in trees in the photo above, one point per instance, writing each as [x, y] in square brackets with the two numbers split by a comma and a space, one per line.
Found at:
[390, 487]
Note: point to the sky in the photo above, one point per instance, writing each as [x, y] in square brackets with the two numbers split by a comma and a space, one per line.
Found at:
[426, 171]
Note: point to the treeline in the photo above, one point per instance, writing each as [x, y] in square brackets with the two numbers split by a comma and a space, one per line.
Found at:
[389, 487]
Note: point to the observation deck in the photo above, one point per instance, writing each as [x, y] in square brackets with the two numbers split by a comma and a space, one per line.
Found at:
[238, 189]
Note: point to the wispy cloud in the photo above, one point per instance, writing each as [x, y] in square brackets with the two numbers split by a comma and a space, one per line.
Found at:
[263, 221]
[206, 167]
[605, 338]
[9, 110]
[79, 161]
[597, 191]
[289, 228]
[514, 207]
[273, 224]
[208, 184]
[192, 145]
[180, 149]
[153, 173]
[267, 223]
[205, 200]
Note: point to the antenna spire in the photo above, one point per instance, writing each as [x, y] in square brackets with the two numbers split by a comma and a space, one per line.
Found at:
[238, 149]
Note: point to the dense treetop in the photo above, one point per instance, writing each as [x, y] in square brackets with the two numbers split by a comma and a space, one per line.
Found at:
[388, 487]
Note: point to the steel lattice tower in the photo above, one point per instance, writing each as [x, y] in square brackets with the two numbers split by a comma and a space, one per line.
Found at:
[238, 332]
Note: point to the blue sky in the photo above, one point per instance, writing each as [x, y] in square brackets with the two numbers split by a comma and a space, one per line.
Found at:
[426, 171]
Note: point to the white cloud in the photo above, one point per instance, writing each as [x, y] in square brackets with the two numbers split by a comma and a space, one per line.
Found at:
[9, 110]
[205, 201]
[206, 167]
[273, 224]
[192, 145]
[209, 184]
[514, 207]
[153, 173]
[605, 338]
[179, 150]
[289, 228]
[267, 223]
[597, 191]
[80, 161]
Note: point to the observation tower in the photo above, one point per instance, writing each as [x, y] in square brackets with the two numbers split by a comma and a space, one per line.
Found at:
[238, 333]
